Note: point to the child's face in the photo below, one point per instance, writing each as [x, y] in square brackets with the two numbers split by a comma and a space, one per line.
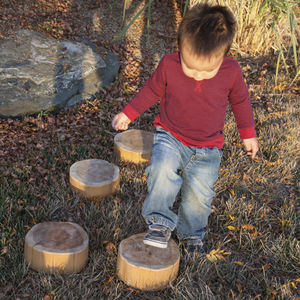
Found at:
[200, 67]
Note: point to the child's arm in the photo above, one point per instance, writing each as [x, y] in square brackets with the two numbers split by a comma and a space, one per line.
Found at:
[239, 99]
[152, 92]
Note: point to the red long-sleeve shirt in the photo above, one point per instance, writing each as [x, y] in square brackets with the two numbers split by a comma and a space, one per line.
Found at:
[194, 111]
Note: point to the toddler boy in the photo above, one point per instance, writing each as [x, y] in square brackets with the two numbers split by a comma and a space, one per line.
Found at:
[194, 86]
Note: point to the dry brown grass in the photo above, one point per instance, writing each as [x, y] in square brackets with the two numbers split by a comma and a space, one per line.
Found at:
[255, 214]
[258, 23]
[254, 218]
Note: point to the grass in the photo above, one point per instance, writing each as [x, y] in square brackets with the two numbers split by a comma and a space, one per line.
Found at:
[253, 232]
[254, 217]
[263, 25]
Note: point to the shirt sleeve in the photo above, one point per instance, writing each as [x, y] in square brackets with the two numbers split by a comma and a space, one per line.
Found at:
[152, 92]
[239, 100]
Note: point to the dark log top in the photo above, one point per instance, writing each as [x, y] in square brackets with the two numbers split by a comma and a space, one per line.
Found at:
[57, 237]
[94, 172]
[135, 140]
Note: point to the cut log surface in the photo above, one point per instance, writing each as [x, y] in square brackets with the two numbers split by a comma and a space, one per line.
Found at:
[56, 247]
[133, 145]
[145, 267]
[94, 177]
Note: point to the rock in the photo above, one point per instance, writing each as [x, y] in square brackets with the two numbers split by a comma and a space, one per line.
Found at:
[38, 72]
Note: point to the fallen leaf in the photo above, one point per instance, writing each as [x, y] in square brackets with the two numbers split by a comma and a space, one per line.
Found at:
[217, 254]
[4, 250]
[109, 280]
[294, 285]
[239, 286]
[248, 227]
[231, 227]
[232, 218]
[266, 266]
[110, 247]
[25, 295]
[240, 263]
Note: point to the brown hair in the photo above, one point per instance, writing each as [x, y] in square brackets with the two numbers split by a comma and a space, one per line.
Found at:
[207, 29]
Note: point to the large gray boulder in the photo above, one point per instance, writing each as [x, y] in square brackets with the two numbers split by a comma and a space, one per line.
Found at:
[38, 72]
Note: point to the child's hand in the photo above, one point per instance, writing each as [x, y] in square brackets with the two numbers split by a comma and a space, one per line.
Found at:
[251, 146]
[120, 121]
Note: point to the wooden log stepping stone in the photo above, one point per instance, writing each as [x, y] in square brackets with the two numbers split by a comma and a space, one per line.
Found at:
[133, 145]
[56, 247]
[94, 177]
[145, 267]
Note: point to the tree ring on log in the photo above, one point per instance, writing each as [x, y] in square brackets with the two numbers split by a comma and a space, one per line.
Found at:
[133, 145]
[56, 247]
[94, 177]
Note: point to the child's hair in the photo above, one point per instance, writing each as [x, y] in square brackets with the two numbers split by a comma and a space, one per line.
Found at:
[207, 29]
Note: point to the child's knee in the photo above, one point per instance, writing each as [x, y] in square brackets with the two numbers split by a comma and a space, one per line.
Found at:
[164, 168]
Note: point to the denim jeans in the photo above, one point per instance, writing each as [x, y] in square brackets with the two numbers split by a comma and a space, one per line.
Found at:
[174, 166]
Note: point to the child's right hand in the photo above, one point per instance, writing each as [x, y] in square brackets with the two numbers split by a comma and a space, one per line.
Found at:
[120, 121]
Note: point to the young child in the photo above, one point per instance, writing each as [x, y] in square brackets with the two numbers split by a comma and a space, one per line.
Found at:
[194, 87]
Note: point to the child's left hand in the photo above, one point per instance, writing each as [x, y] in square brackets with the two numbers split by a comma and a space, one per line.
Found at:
[251, 146]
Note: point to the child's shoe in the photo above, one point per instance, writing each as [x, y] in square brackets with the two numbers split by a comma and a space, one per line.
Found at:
[157, 236]
[194, 248]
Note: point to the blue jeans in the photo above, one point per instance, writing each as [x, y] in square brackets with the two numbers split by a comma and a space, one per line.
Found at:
[174, 166]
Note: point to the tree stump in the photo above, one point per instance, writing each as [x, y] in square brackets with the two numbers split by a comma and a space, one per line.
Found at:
[56, 247]
[145, 267]
[94, 178]
[133, 145]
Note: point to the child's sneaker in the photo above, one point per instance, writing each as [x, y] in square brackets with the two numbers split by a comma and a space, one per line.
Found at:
[157, 236]
[194, 248]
